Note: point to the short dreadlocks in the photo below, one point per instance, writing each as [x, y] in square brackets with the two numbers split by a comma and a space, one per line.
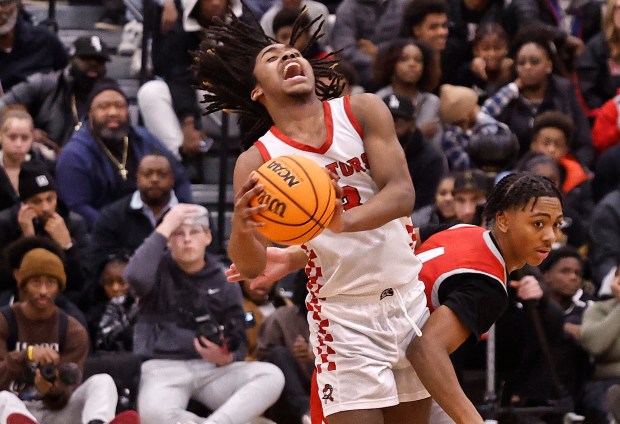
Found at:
[516, 190]
[225, 62]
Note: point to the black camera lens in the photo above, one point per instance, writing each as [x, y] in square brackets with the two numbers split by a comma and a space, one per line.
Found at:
[48, 372]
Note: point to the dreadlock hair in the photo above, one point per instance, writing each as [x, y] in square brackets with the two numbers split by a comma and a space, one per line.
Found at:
[225, 61]
[516, 190]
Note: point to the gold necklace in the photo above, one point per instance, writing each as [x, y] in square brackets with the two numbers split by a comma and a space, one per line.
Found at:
[120, 165]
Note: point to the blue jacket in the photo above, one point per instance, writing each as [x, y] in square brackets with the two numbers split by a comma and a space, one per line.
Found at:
[87, 180]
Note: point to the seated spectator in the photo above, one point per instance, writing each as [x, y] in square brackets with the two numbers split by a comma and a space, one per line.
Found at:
[532, 325]
[406, 67]
[425, 162]
[536, 90]
[562, 277]
[58, 100]
[461, 117]
[470, 195]
[40, 213]
[260, 303]
[491, 68]
[42, 354]
[360, 29]
[600, 336]
[282, 26]
[170, 104]
[431, 22]
[191, 331]
[99, 163]
[604, 235]
[111, 308]
[314, 10]
[441, 211]
[18, 147]
[606, 174]
[124, 224]
[24, 48]
[598, 68]
[283, 341]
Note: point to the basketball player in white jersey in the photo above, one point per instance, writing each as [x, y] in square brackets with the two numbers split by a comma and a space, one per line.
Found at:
[365, 300]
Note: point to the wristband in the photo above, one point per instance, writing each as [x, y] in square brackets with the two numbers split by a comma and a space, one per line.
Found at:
[29, 353]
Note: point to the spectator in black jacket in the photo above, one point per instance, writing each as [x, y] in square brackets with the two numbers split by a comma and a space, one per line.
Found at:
[40, 213]
[25, 48]
[58, 100]
[124, 224]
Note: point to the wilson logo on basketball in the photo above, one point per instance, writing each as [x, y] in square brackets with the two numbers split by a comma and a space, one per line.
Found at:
[274, 205]
[283, 172]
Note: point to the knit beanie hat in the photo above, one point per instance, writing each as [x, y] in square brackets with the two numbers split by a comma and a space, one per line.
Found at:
[456, 103]
[41, 261]
[34, 179]
[102, 85]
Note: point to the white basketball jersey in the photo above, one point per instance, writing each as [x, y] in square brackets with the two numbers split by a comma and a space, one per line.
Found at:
[360, 263]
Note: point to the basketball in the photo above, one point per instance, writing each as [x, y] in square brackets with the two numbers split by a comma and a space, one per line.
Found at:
[300, 199]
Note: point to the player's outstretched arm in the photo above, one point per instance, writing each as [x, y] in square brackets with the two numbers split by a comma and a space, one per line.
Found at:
[388, 167]
[246, 248]
[429, 354]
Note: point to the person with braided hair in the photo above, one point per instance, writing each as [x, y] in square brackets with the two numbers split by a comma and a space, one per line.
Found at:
[465, 271]
[365, 300]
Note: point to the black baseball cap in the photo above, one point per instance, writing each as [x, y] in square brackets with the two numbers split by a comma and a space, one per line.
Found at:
[91, 46]
[472, 180]
[400, 106]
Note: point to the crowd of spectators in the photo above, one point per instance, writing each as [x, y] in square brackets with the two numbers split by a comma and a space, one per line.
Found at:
[97, 215]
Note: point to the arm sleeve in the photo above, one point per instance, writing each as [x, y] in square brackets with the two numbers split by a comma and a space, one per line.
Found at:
[496, 104]
[478, 300]
[605, 132]
[453, 148]
[599, 331]
[142, 270]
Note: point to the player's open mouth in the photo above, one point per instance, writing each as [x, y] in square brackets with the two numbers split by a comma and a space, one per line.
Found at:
[292, 70]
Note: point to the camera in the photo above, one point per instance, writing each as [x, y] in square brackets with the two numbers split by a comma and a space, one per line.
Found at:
[208, 328]
[68, 373]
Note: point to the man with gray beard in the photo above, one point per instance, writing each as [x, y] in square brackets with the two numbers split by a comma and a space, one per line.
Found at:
[25, 48]
[98, 165]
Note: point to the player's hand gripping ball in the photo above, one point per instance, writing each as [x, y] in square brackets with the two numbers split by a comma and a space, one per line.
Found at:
[299, 196]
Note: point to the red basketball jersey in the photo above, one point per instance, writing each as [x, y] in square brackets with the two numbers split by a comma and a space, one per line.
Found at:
[458, 250]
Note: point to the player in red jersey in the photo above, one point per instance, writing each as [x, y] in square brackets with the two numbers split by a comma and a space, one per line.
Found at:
[465, 271]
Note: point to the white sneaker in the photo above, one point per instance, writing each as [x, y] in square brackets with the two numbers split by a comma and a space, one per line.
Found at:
[131, 39]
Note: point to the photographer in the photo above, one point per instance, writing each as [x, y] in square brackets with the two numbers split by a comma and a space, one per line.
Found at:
[42, 353]
[191, 331]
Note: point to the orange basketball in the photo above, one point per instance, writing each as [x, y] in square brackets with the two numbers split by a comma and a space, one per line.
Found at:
[300, 199]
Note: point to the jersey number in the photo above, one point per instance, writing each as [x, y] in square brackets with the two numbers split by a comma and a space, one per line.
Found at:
[350, 197]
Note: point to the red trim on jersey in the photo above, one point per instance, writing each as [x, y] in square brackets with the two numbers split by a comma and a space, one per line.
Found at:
[263, 150]
[316, 408]
[329, 126]
[351, 116]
